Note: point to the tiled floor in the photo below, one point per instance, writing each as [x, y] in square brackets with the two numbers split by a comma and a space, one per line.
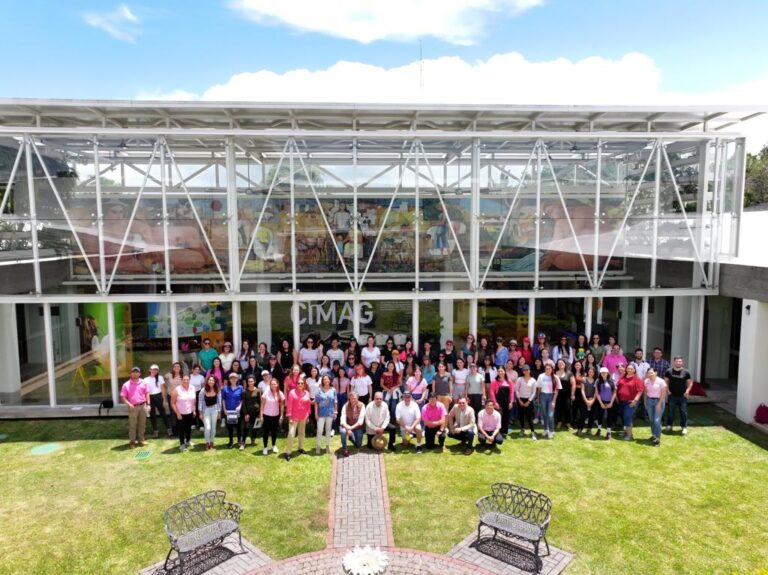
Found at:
[224, 560]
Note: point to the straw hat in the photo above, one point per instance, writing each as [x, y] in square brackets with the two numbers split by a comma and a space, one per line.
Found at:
[379, 442]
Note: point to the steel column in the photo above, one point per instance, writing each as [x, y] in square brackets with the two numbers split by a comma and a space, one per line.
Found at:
[532, 319]
[112, 333]
[166, 246]
[174, 316]
[474, 244]
[598, 189]
[232, 217]
[49, 359]
[538, 218]
[644, 326]
[415, 326]
[656, 199]
[237, 321]
[33, 215]
[588, 317]
[473, 317]
[99, 220]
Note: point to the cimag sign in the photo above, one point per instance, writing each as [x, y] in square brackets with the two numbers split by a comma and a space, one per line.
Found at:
[335, 313]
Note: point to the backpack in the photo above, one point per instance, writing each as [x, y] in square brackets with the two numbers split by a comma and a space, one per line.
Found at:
[761, 414]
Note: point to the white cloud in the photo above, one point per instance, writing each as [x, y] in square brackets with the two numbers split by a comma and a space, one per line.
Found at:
[173, 96]
[633, 79]
[455, 21]
[120, 23]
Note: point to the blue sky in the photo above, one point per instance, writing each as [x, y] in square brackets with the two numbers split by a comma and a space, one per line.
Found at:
[51, 50]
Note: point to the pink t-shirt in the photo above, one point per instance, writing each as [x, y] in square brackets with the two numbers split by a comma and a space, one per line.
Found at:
[272, 403]
[185, 400]
[298, 406]
[433, 412]
[134, 392]
[611, 361]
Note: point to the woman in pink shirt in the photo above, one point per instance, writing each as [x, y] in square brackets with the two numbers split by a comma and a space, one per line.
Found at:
[297, 409]
[292, 379]
[417, 385]
[271, 414]
[655, 389]
[183, 401]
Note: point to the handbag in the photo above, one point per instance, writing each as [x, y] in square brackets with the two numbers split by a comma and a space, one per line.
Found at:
[232, 416]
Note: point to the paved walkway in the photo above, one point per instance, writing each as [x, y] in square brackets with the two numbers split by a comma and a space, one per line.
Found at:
[505, 558]
[224, 560]
[359, 509]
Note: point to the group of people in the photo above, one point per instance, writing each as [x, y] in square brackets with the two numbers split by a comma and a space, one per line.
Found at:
[471, 393]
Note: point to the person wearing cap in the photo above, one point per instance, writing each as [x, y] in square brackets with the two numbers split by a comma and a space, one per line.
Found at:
[450, 354]
[434, 417]
[408, 417]
[462, 424]
[541, 344]
[489, 426]
[275, 370]
[525, 393]
[134, 394]
[352, 423]
[501, 355]
[606, 398]
[157, 403]
[232, 398]
[264, 380]
[227, 356]
[183, 406]
[514, 352]
[377, 418]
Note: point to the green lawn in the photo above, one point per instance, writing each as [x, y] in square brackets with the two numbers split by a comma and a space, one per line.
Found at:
[93, 508]
[697, 504]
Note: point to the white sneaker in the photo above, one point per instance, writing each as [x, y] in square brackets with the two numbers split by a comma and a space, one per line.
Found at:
[265, 451]
[333, 432]
[685, 431]
[274, 449]
[668, 428]
[190, 445]
[182, 447]
[533, 437]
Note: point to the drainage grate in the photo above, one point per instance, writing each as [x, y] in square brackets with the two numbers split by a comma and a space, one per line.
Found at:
[142, 454]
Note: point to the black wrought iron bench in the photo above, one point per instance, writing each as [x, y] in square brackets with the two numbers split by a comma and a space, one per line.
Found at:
[516, 511]
[202, 521]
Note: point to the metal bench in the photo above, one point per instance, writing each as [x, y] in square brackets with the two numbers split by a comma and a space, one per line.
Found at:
[517, 512]
[202, 521]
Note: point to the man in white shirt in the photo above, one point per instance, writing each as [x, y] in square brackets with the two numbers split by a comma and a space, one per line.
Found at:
[489, 426]
[376, 417]
[157, 406]
[408, 417]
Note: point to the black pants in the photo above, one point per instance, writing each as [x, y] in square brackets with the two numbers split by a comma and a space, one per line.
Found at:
[606, 416]
[588, 414]
[524, 413]
[156, 408]
[253, 417]
[576, 408]
[429, 437]
[502, 398]
[563, 408]
[235, 427]
[185, 427]
[476, 402]
[497, 440]
[271, 423]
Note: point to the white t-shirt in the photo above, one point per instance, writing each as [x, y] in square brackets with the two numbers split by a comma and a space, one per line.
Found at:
[197, 381]
[525, 388]
[460, 376]
[336, 355]
[370, 355]
[226, 360]
[407, 413]
[310, 356]
[154, 386]
[544, 383]
[313, 385]
[263, 387]
[360, 385]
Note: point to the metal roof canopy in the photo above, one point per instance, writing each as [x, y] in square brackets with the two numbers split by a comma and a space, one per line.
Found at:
[149, 115]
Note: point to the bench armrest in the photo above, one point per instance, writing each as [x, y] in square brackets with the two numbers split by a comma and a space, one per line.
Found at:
[544, 525]
[231, 511]
[487, 503]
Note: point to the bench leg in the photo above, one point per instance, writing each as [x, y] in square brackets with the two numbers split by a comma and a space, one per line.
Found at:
[167, 558]
[240, 538]
[538, 560]
[181, 564]
[478, 532]
[547, 544]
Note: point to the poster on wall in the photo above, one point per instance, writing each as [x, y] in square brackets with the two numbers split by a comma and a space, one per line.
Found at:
[193, 319]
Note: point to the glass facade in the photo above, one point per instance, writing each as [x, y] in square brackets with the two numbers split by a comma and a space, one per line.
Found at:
[127, 249]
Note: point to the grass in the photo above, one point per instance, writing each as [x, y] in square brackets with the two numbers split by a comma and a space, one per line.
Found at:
[695, 505]
[92, 508]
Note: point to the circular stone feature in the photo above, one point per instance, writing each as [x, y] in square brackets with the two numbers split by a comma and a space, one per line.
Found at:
[45, 448]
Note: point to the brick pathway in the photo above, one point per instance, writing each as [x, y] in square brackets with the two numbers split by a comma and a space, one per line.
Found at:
[519, 561]
[224, 560]
[359, 507]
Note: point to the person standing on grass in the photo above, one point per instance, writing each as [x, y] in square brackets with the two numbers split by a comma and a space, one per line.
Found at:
[408, 417]
[272, 409]
[172, 380]
[209, 409]
[297, 408]
[232, 397]
[658, 363]
[196, 380]
[489, 426]
[502, 395]
[377, 418]
[548, 385]
[251, 407]
[158, 404]
[679, 384]
[326, 409]
[566, 397]
[655, 389]
[352, 423]
[227, 356]
[525, 392]
[183, 405]
[462, 424]
[629, 391]
[588, 407]
[434, 416]
[606, 398]
[135, 394]
[362, 384]
[475, 389]
[417, 385]
[442, 386]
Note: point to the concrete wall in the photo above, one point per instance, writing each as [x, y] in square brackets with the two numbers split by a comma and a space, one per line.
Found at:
[719, 324]
[753, 383]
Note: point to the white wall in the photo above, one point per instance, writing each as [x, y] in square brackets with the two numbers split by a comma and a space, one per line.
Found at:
[753, 384]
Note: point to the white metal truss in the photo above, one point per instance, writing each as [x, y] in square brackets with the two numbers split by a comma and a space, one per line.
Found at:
[11, 178]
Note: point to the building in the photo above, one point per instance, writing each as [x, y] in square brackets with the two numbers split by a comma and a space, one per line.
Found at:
[130, 230]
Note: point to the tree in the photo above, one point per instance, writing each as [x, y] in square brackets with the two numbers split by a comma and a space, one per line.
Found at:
[756, 181]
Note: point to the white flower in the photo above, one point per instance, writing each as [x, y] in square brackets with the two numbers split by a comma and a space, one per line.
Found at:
[365, 561]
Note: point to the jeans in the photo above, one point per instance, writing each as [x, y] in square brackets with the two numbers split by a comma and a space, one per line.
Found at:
[209, 423]
[467, 437]
[548, 411]
[654, 415]
[681, 403]
[357, 437]
[627, 413]
[324, 424]
[294, 427]
[271, 423]
[341, 400]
